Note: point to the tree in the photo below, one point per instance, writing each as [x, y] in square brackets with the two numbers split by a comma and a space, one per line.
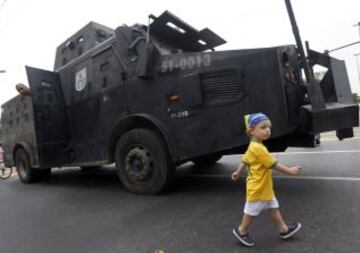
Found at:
[356, 98]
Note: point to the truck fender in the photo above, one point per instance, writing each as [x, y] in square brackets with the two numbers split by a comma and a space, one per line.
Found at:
[140, 121]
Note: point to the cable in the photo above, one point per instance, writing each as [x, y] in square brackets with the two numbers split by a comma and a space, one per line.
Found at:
[345, 46]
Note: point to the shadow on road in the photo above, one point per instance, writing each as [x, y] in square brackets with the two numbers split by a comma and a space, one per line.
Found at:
[189, 178]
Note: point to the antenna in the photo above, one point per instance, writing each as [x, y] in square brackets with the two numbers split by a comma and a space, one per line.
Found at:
[151, 17]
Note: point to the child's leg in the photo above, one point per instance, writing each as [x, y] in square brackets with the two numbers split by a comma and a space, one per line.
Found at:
[278, 220]
[245, 224]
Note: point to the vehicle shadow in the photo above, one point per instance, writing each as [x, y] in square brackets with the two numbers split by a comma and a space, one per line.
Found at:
[189, 178]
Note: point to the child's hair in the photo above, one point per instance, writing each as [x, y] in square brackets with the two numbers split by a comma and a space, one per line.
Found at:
[247, 131]
[251, 120]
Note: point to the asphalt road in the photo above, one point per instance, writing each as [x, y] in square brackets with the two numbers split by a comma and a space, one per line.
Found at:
[91, 212]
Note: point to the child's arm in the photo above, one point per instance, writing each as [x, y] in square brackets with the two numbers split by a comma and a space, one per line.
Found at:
[295, 170]
[236, 174]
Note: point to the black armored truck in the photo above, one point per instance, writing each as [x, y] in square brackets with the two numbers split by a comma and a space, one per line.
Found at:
[151, 97]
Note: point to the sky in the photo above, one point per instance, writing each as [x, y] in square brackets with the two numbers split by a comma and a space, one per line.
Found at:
[30, 30]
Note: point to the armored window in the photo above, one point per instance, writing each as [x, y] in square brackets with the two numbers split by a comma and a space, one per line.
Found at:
[102, 35]
[175, 27]
[80, 51]
[107, 71]
[70, 44]
[64, 50]
[80, 40]
[202, 42]
[104, 66]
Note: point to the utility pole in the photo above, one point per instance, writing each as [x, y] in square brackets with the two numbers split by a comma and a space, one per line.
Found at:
[357, 55]
[358, 25]
[358, 65]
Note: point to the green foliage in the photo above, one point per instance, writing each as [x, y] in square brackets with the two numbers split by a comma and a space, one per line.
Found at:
[356, 98]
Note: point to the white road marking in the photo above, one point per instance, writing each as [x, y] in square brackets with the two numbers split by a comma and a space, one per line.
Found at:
[334, 138]
[354, 151]
[352, 179]
[319, 152]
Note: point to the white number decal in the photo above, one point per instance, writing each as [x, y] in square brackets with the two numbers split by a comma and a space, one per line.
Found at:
[185, 62]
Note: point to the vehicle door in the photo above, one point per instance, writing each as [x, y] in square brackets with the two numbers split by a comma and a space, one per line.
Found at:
[50, 117]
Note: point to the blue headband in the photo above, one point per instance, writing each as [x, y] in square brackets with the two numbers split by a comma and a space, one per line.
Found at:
[256, 118]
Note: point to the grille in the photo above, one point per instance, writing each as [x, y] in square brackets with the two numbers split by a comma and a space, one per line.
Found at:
[220, 87]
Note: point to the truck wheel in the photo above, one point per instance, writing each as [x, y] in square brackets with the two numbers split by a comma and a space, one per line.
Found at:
[143, 162]
[26, 173]
[206, 159]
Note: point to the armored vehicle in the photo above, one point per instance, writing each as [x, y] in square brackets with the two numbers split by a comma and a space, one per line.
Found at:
[151, 97]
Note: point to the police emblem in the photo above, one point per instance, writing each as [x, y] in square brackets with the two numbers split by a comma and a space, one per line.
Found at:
[80, 79]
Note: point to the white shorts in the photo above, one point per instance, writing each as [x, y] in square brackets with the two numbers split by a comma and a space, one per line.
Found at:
[256, 207]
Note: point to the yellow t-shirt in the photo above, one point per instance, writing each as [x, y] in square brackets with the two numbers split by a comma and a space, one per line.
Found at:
[259, 183]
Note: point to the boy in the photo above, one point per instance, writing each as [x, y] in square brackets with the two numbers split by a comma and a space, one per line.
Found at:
[259, 185]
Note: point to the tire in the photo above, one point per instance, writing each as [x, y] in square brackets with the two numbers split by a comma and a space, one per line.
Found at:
[143, 162]
[206, 160]
[26, 173]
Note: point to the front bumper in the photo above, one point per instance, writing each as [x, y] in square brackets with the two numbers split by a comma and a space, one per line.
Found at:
[336, 116]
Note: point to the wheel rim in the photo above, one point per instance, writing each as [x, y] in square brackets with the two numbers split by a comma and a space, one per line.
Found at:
[139, 164]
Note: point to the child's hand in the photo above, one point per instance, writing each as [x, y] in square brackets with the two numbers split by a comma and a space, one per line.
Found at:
[235, 176]
[295, 170]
